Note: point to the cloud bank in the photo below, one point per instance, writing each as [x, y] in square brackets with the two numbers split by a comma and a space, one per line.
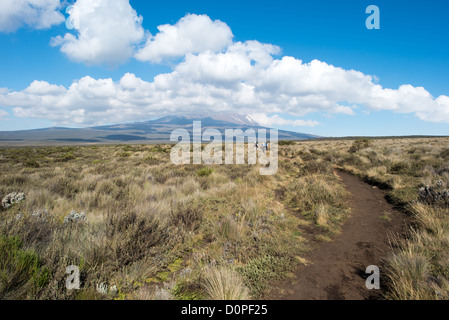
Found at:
[212, 74]
[244, 78]
[38, 14]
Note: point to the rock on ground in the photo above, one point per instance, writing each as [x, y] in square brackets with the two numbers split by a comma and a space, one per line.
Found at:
[10, 199]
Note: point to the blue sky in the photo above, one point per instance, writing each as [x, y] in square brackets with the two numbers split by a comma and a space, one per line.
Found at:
[411, 48]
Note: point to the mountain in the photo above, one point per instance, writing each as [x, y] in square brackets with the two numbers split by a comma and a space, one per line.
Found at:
[153, 131]
[235, 118]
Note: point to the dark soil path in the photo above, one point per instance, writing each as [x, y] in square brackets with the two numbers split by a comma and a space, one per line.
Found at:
[336, 269]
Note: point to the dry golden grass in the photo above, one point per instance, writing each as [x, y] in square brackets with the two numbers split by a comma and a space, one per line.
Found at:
[224, 284]
[149, 221]
[144, 215]
[418, 267]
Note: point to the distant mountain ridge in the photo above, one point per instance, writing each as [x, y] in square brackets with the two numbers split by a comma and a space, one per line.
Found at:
[152, 131]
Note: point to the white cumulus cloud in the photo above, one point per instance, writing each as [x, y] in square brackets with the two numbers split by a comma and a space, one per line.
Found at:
[107, 32]
[255, 91]
[239, 77]
[38, 14]
[192, 34]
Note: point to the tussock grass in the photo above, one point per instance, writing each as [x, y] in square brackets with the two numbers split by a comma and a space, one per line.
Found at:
[418, 265]
[221, 283]
[319, 197]
[143, 214]
[152, 228]
[407, 275]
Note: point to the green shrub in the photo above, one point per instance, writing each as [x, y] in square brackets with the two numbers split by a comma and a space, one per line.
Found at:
[188, 290]
[158, 148]
[258, 272]
[400, 168]
[410, 168]
[128, 148]
[204, 172]
[65, 157]
[31, 163]
[322, 167]
[286, 142]
[359, 144]
[133, 236]
[125, 154]
[444, 153]
[352, 159]
[21, 271]
[188, 215]
[66, 187]
[402, 197]
[150, 160]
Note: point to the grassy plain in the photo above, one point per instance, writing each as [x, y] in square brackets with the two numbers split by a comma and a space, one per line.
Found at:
[154, 230]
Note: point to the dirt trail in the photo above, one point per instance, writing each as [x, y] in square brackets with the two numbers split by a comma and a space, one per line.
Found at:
[336, 269]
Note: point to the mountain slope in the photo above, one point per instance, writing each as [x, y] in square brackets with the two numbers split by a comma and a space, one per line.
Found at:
[153, 131]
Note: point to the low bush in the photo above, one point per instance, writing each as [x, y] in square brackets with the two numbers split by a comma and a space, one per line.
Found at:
[359, 144]
[22, 273]
[204, 172]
